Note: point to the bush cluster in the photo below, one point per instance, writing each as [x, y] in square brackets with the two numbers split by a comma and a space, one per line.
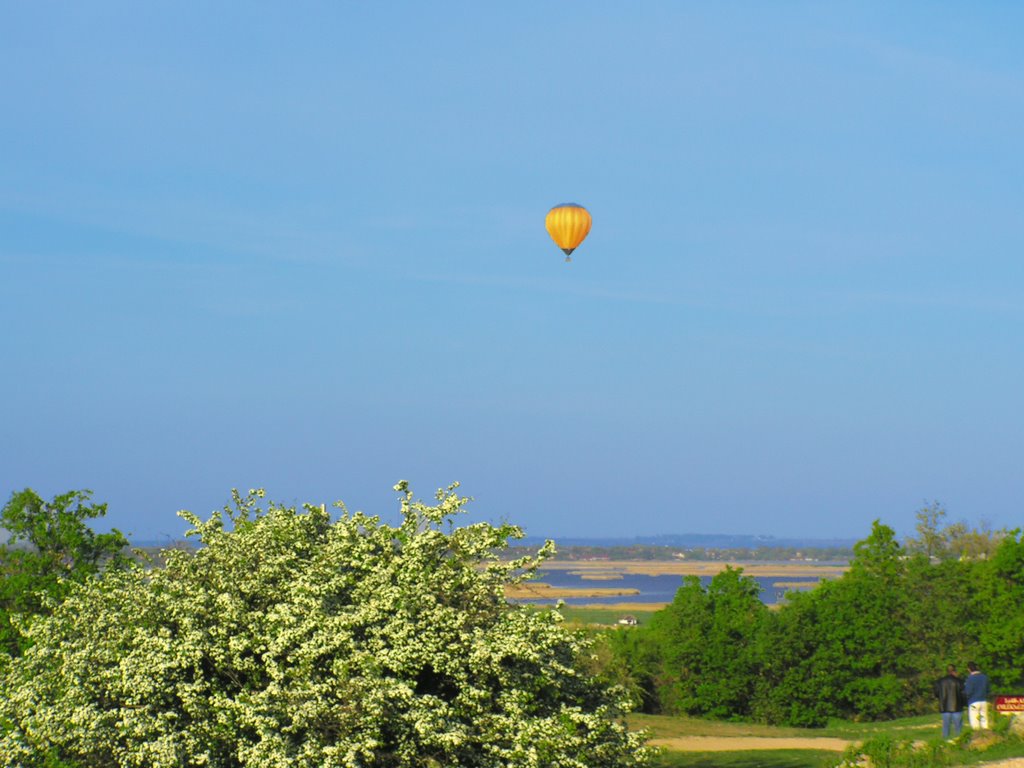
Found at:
[291, 639]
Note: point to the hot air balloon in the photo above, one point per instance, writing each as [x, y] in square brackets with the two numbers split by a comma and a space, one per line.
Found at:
[568, 225]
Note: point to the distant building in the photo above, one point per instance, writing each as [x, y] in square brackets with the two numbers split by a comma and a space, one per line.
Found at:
[629, 621]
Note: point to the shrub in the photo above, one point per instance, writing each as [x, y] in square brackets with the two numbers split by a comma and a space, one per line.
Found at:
[292, 640]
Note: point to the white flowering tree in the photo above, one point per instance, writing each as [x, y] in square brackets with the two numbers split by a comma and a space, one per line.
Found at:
[287, 639]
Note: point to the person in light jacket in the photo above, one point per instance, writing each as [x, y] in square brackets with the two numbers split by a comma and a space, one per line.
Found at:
[976, 689]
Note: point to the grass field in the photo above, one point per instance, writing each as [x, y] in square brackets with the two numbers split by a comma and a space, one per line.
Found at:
[923, 730]
[663, 726]
[781, 758]
[598, 615]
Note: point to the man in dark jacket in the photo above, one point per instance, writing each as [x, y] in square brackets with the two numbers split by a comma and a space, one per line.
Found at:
[949, 690]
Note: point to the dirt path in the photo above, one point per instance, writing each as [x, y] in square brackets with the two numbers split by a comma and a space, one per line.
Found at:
[739, 743]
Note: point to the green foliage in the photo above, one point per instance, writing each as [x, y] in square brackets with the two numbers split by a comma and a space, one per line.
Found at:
[796, 685]
[775, 758]
[838, 651]
[951, 541]
[867, 646]
[887, 752]
[878, 555]
[50, 549]
[937, 623]
[862, 646]
[292, 640]
[697, 656]
[999, 601]
[931, 540]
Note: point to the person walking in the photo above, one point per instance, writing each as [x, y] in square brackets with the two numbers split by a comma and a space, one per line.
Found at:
[976, 689]
[949, 690]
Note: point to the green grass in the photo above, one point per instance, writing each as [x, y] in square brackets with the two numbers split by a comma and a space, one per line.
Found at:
[602, 616]
[666, 727]
[780, 758]
[922, 729]
[997, 752]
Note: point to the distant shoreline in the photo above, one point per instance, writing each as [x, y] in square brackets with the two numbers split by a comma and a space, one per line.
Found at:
[541, 591]
[694, 568]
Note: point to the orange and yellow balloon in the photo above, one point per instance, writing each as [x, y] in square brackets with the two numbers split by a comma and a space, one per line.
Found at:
[568, 225]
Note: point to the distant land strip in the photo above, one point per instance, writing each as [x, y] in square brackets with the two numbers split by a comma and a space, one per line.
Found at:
[541, 591]
[694, 568]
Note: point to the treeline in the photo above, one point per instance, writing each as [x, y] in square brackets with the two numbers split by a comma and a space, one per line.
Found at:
[660, 552]
[865, 646]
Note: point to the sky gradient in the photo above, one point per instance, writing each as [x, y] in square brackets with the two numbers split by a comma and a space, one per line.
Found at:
[301, 246]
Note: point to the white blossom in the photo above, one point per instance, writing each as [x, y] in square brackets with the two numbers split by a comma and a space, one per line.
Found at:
[292, 640]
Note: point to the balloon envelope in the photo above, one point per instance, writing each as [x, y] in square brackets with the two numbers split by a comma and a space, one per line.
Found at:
[568, 224]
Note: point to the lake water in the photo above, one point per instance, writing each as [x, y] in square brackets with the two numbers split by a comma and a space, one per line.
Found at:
[653, 589]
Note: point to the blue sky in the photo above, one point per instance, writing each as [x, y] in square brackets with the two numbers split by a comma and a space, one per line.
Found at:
[301, 246]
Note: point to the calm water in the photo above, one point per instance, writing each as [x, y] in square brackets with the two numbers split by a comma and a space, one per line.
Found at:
[653, 589]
